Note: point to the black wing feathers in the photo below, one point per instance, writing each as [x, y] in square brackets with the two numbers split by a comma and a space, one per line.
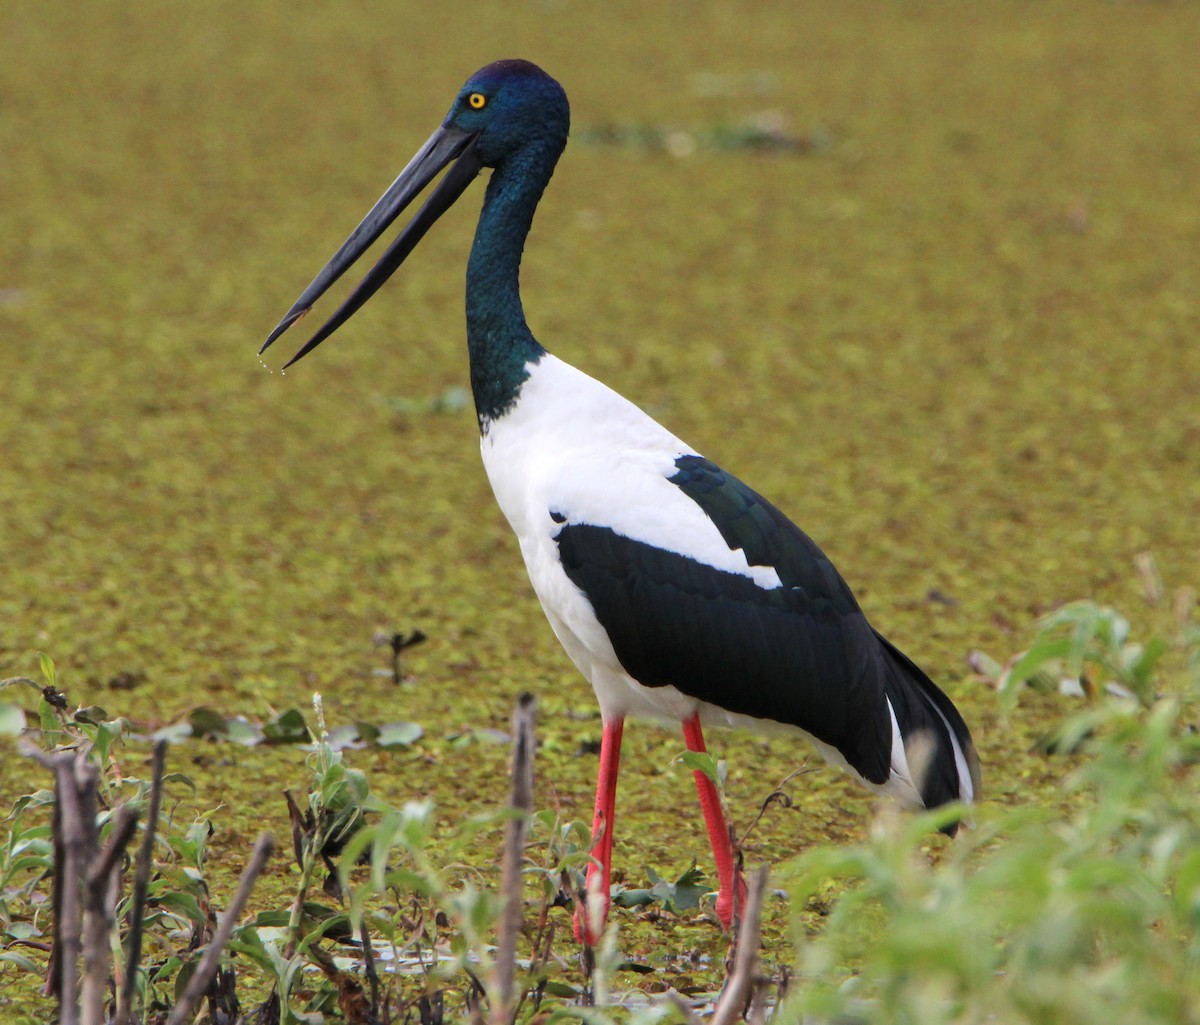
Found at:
[719, 637]
[748, 521]
[801, 654]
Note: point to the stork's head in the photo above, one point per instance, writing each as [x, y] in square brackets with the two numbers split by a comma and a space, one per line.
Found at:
[509, 112]
[510, 106]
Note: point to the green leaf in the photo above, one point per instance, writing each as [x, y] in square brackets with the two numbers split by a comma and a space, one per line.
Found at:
[702, 761]
[335, 926]
[183, 904]
[107, 734]
[38, 799]
[180, 777]
[49, 722]
[23, 931]
[682, 895]
[93, 715]
[367, 732]
[166, 969]
[688, 889]
[286, 728]
[341, 737]
[47, 666]
[1045, 650]
[398, 734]
[28, 863]
[12, 719]
[206, 722]
[240, 731]
[277, 919]
[184, 976]
[635, 898]
[172, 734]
[466, 738]
[20, 960]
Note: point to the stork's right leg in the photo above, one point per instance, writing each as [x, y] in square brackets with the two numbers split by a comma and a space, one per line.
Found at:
[591, 915]
[731, 897]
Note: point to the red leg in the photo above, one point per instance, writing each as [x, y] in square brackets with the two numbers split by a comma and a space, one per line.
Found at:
[600, 870]
[732, 893]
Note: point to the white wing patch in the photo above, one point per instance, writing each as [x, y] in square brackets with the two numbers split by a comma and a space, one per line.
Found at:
[575, 447]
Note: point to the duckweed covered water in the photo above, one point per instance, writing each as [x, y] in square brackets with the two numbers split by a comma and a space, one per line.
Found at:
[956, 341]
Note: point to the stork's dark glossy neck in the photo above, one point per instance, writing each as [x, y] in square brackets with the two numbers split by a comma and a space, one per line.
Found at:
[498, 339]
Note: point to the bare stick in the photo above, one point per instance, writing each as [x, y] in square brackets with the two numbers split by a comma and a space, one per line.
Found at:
[364, 934]
[515, 831]
[141, 886]
[95, 940]
[100, 910]
[778, 794]
[124, 822]
[740, 985]
[54, 971]
[69, 843]
[199, 982]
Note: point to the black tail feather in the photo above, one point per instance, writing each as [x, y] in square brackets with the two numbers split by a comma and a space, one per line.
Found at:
[927, 717]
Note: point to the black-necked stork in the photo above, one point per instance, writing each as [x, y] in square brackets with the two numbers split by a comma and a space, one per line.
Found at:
[679, 592]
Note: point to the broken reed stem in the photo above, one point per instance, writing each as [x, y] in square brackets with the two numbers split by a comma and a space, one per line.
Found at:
[202, 977]
[100, 897]
[364, 936]
[54, 970]
[69, 843]
[124, 822]
[515, 832]
[84, 778]
[742, 983]
[306, 858]
[141, 886]
[70, 850]
[86, 885]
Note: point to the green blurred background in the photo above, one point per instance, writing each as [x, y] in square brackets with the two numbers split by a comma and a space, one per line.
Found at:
[954, 338]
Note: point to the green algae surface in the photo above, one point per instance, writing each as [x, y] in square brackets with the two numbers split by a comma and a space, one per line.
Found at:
[954, 338]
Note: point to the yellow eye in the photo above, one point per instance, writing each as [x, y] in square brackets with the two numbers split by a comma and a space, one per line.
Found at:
[477, 101]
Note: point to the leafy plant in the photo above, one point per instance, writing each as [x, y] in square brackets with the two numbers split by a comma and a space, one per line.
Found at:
[681, 895]
[1033, 916]
[1085, 647]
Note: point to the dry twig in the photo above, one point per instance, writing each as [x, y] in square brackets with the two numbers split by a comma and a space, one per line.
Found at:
[515, 831]
[100, 895]
[141, 887]
[741, 985]
[70, 849]
[199, 982]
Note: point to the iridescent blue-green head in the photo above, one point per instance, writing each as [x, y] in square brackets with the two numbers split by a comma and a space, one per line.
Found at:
[508, 114]
[511, 106]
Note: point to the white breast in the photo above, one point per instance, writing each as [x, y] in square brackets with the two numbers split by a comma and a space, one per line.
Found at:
[573, 446]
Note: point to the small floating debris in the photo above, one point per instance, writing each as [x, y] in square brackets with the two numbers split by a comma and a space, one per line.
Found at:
[449, 400]
[765, 132]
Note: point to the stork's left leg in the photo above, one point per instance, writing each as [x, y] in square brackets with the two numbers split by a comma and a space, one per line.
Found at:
[589, 918]
[732, 893]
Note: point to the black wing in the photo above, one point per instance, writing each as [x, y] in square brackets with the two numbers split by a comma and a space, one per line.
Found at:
[801, 654]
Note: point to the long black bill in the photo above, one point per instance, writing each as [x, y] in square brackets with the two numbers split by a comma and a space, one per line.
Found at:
[443, 146]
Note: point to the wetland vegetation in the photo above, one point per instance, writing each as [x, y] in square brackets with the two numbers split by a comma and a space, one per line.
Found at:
[926, 274]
